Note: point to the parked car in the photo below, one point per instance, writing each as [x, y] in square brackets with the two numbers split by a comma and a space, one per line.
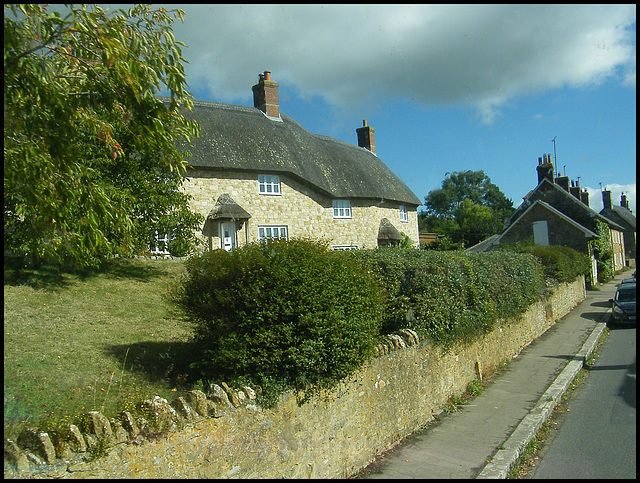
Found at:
[623, 305]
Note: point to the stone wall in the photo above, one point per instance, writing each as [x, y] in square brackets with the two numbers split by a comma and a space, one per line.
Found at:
[334, 435]
[306, 213]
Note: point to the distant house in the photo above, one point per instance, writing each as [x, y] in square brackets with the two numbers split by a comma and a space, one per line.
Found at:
[554, 213]
[623, 216]
[257, 174]
[426, 238]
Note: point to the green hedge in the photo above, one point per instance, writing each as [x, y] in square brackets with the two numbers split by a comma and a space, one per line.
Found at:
[562, 264]
[296, 314]
[291, 314]
[453, 296]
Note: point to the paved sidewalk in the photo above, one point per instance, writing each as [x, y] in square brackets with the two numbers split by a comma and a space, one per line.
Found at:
[499, 423]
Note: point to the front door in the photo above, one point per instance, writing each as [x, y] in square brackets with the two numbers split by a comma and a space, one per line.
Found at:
[228, 235]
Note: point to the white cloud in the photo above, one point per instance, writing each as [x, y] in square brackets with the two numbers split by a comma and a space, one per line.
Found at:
[474, 55]
[629, 190]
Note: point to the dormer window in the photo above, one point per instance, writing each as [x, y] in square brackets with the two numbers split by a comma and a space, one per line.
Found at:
[404, 216]
[269, 184]
[341, 209]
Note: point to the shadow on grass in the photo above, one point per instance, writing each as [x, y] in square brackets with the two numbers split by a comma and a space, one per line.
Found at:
[59, 276]
[166, 362]
[48, 276]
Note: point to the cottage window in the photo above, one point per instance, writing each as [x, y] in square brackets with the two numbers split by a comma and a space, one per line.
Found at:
[269, 184]
[344, 247]
[160, 244]
[341, 209]
[272, 233]
[404, 216]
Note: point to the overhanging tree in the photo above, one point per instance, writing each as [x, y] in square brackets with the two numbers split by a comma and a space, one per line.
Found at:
[91, 163]
[467, 209]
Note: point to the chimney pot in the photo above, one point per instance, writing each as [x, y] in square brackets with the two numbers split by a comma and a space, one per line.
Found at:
[366, 137]
[265, 95]
[544, 169]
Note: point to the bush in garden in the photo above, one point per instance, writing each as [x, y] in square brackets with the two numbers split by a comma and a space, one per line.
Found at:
[293, 313]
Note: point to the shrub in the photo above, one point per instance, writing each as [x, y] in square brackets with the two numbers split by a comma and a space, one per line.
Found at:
[560, 263]
[453, 296]
[293, 313]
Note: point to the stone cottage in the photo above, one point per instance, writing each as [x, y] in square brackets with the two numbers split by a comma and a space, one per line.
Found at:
[554, 213]
[623, 216]
[257, 174]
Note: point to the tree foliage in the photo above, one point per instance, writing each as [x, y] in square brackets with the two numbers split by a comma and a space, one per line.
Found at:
[468, 208]
[91, 164]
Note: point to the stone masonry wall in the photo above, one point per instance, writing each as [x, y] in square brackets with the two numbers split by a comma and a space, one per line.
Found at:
[334, 435]
[303, 210]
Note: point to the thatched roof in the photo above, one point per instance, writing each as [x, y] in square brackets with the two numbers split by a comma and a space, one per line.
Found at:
[388, 232]
[245, 139]
[226, 208]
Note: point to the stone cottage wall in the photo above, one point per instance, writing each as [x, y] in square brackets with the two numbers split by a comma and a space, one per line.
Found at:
[303, 210]
[333, 435]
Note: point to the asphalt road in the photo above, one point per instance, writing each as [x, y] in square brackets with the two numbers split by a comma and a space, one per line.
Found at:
[596, 437]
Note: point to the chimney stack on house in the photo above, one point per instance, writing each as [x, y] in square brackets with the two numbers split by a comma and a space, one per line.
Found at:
[624, 202]
[563, 182]
[366, 138]
[575, 189]
[606, 200]
[265, 95]
[584, 196]
[545, 168]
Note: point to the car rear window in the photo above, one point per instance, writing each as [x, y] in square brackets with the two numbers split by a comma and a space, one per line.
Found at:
[626, 294]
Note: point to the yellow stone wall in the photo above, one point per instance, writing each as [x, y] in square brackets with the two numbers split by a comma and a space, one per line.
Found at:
[306, 212]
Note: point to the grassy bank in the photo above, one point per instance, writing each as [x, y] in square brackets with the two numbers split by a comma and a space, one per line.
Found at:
[101, 341]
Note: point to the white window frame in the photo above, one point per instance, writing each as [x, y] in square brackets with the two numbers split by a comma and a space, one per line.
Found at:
[269, 184]
[404, 214]
[344, 247]
[273, 232]
[161, 240]
[341, 209]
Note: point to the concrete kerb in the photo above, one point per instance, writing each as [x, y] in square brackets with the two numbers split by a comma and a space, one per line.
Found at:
[509, 453]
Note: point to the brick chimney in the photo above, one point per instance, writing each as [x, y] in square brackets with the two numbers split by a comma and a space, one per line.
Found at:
[366, 137]
[545, 168]
[606, 200]
[265, 95]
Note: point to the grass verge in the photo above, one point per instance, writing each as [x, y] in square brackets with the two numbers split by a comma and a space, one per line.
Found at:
[93, 341]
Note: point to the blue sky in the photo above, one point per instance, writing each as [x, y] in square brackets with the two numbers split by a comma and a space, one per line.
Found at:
[446, 87]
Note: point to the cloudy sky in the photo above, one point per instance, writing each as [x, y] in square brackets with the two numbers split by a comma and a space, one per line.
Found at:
[446, 87]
